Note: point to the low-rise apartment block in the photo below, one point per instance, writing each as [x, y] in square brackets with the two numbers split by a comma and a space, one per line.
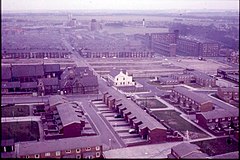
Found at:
[146, 126]
[189, 101]
[186, 151]
[62, 119]
[78, 147]
[45, 79]
[219, 121]
[228, 94]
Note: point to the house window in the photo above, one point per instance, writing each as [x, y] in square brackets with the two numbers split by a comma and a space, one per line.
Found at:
[117, 79]
[27, 157]
[78, 157]
[78, 151]
[97, 148]
[58, 153]
[123, 78]
[47, 154]
[98, 154]
[116, 83]
[36, 155]
[68, 151]
[88, 149]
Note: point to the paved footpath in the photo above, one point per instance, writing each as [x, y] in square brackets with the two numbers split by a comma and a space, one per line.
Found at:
[20, 119]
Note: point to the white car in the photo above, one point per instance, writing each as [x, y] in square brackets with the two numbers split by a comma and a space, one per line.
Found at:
[131, 131]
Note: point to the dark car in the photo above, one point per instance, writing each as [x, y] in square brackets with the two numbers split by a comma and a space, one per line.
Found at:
[117, 116]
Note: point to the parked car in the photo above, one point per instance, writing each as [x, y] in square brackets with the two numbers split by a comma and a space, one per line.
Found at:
[131, 131]
[117, 116]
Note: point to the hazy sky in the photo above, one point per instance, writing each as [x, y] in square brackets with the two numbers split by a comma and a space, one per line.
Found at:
[118, 4]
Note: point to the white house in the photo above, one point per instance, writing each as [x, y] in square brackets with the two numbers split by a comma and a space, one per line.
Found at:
[120, 78]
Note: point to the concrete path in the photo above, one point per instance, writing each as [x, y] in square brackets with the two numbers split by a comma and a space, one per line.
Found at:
[20, 119]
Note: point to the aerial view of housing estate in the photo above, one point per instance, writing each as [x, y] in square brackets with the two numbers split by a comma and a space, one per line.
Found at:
[120, 79]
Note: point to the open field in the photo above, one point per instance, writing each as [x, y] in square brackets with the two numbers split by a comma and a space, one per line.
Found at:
[15, 111]
[176, 122]
[218, 146]
[20, 131]
[151, 103]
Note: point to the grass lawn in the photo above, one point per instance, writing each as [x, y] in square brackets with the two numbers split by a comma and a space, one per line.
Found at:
[20, 131]
[19, 111]
[173, 119]
[151, 103]
[217, 146]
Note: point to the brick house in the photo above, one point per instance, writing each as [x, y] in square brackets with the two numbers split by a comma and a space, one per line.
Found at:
[186, 151]
[201, 78]
[78, 80]
[120, 78]
[56, 120]
[145, 125]
[78, 147]
[167, 80]
[190, 101]
[183, 78]
[227, 71]
[228, 94]
[219, 121]
[48, 86]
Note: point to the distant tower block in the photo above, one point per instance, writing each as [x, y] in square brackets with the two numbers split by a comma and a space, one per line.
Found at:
[143, 22]
[94, 25]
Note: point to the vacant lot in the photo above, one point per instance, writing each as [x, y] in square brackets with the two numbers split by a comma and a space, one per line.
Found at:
[20, 131]
[176, 122]
[16, 111]
[151, 103]
[218, 146]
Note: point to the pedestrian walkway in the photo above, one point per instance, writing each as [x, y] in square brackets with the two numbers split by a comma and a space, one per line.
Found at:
[20, 119]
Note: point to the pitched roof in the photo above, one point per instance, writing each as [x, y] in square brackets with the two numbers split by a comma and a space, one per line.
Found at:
[26, 85]
[194, 96]
[196, 155]
[6, 72]
[10, 84]
[228, 89]
[231, 155]
[26, 148]
[217, 113]
[115, 72]
[27, 70]
[67, 114]
[51, 67]
[89, 81]
[83, 71]
[49, 81]
[56, 99]
[140, 114]
[184, 149]
[202, 75]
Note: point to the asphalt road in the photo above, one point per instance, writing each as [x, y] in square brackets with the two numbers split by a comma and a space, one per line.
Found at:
[147, 86]
[105, 131]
